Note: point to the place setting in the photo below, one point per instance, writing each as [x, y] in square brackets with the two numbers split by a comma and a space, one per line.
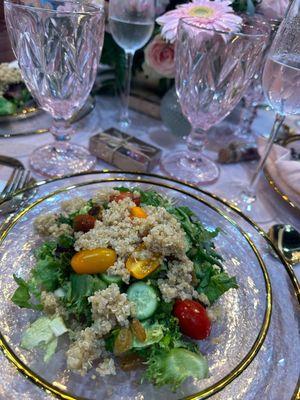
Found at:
[149, 199]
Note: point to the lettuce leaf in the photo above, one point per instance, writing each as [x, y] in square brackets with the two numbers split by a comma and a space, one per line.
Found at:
[174, 366]
[78, 289]
[44, 333]
[22, 295]
[7, 107]
[215, 285]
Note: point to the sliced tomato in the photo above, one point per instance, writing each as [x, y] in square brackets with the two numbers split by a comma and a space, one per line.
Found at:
[124, 195]
[193, 319]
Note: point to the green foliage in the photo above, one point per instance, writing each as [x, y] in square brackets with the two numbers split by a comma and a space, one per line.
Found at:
[51, 270]
[242, 6]
[7, 107]
[62, 219]
[22, 295]
[78, 289]
[214, 284]
[174, 366]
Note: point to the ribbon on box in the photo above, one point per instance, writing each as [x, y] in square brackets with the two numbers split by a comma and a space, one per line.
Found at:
[116, 142]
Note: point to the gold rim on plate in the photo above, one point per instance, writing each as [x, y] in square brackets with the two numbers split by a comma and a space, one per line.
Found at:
[25, 112]
[204, 394]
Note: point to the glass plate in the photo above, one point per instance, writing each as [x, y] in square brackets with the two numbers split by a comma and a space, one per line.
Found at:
[241, 388]
[235, 339]
[17, 125]
[27, 112]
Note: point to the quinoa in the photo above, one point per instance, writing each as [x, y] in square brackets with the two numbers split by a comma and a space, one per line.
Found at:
[8, 76]
[179, 282]
[84, 351]
[73, 205]
[119, 269]
[106, 367]
[50, 303]
[160, 232]
[110, 308]
[48, 225]
[104, 195]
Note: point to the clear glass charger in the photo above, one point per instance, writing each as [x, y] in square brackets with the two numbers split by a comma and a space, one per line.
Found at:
[243, 317]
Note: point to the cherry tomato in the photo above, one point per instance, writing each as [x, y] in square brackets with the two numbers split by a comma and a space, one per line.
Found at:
[138, 212]
[94, 261]
[124, 195]
[83, 223]
[193, 319]
[139, 269]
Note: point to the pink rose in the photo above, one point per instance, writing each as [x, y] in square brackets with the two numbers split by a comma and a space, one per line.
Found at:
[274, 9]
[159, 55]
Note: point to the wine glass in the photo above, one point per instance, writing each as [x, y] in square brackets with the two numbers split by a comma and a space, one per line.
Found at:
[57, 44]
[281, 85]
[213, 70]
[131, 24]
[254, 96]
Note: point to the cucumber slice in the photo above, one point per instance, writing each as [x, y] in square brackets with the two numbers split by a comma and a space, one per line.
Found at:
[145, 299]
[111, 278]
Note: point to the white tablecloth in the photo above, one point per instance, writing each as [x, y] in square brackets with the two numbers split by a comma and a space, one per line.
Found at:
[152, 131]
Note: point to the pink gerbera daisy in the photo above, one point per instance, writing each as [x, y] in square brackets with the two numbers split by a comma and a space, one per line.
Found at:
[208, 14]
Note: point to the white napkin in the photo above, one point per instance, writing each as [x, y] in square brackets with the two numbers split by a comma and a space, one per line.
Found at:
[284, 171]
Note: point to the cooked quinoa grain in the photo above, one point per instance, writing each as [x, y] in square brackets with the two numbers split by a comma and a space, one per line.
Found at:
[110, 308]
[48, 225]
[106, 367]
[179, 282]
[86, 348]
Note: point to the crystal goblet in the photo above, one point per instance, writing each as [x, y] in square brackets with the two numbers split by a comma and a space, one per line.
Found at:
[57, 44]
[213, 70]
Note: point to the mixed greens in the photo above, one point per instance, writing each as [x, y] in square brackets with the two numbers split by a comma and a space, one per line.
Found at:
[14, 99]
[159, 336]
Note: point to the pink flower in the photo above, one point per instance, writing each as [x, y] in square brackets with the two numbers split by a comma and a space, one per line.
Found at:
[274, 9]
[208, 14]
[159, 55]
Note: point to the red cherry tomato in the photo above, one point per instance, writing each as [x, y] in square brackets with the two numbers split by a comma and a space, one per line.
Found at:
[193, 319]
[124, 195]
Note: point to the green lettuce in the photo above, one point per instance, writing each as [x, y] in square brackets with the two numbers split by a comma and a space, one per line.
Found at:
[173, 367]
[44, 333]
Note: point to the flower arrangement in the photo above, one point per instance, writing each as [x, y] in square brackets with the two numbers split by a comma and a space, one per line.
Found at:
[156, 60]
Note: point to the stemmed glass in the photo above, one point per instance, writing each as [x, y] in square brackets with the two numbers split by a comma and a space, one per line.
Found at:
[254, 96]
[131, 24]
[281, 85]
[57, 44]
[213, 70]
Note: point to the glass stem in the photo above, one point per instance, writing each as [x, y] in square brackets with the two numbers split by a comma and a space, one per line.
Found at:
[273, 135]
[126, 91]
[61, 129]
[196, 142]
[250, 120]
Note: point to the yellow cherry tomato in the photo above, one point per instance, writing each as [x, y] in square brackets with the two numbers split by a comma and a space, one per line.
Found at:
[138, 212]
[140, 268]
[93, 261]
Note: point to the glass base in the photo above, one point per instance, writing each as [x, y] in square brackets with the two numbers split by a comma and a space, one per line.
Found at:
[255, 205]
[200, 171]
[61, 158]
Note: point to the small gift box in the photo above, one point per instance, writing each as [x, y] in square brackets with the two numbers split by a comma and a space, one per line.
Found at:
[124, 151]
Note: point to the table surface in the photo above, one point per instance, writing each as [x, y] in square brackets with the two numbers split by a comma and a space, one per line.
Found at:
[152, 131]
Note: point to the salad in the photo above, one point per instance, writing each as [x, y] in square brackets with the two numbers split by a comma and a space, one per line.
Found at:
[14, 95]
[131, 278]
